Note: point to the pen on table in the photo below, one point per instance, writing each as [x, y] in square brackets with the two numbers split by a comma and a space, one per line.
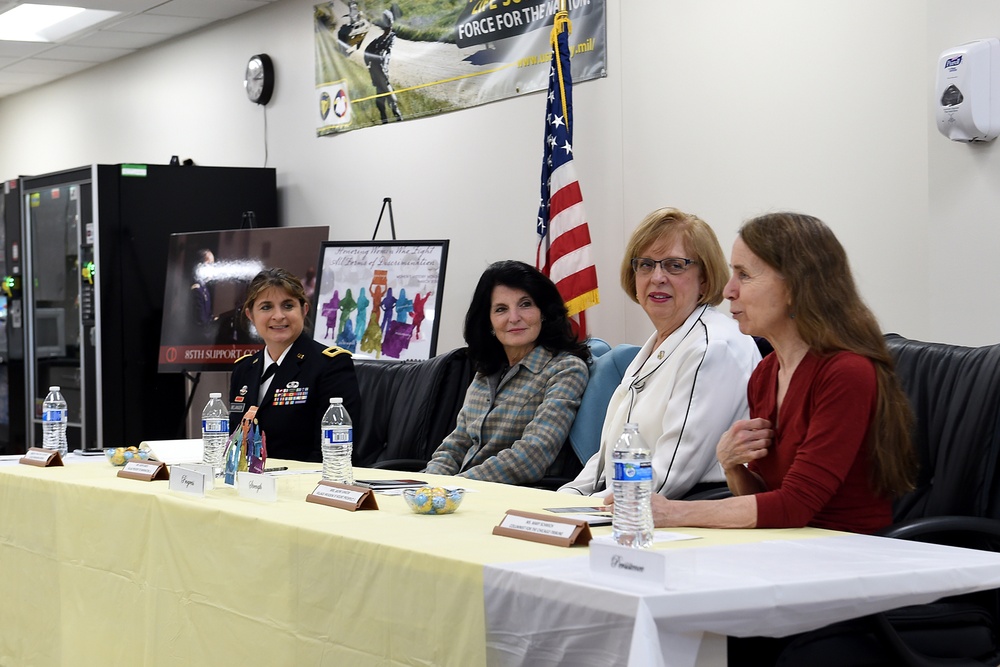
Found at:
[279, 469]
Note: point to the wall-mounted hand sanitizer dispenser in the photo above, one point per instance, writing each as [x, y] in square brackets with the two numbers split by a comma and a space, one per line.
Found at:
[967, 91]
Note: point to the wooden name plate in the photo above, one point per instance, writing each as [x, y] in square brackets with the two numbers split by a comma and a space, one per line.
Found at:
[345, 497]
[43, 458]
[145, 472]
[556, 530]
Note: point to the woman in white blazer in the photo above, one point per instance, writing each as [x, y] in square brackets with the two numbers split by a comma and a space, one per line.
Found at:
[687, 384]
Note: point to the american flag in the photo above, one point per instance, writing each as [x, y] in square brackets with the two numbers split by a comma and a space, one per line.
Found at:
[563, 235]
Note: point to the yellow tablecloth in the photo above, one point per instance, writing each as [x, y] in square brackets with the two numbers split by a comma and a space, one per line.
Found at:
[96, 569]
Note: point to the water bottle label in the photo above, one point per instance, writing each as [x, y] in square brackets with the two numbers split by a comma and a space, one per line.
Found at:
[633, 471]
[334, 434]
[54, 416]
[215, 426]
[341, 434]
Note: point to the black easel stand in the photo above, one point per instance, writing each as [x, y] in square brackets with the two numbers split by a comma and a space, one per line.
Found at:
[195, 379]
[392, 223]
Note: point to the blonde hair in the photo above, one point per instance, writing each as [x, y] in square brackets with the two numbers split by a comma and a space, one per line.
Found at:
[699, 241]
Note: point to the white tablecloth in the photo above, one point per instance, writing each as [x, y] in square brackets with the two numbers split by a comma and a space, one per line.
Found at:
[558, 612]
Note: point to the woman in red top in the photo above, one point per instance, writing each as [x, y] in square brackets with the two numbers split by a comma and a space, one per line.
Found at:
[828, 441]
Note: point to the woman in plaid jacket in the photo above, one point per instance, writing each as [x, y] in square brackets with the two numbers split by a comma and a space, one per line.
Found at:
[531, 373]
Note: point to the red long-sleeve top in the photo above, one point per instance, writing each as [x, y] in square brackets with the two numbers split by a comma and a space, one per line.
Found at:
[817, 469]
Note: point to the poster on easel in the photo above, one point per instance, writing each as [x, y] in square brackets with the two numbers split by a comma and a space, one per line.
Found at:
[380, 299]
[204, 325]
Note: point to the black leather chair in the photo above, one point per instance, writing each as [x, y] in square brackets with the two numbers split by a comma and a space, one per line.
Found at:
[407, 408]
[955, 395]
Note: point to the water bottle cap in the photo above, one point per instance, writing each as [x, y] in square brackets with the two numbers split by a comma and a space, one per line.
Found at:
[215, 394]
[336, 400]
[54, 388]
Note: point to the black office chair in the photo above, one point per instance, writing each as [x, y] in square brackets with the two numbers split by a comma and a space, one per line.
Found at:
[955, 395]
[408, 408]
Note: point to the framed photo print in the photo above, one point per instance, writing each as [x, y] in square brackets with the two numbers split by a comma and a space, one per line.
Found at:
[380, 299]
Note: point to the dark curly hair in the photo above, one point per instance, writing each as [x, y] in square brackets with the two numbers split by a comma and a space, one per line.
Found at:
[485, 351]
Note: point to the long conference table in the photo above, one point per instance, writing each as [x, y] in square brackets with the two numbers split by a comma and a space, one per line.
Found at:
[97, 569]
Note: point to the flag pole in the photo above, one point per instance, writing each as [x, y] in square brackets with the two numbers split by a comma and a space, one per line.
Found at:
[560, 22]
[563, 252]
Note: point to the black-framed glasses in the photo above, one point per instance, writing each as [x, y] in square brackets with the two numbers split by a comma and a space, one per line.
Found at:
[675, 266]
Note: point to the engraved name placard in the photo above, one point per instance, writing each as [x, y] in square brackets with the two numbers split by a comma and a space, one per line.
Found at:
[145, 472]
[560, 531]
[43, 458]
[345, 497]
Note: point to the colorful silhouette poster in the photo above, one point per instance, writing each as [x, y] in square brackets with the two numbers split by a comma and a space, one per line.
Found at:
[381, 298]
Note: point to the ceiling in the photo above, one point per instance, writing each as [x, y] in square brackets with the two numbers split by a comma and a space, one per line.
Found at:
[142, 23]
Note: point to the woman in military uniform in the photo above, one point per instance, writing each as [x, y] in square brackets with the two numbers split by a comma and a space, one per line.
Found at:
[293, 378]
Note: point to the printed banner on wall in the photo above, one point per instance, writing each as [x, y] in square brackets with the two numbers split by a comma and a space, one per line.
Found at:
[380, 62]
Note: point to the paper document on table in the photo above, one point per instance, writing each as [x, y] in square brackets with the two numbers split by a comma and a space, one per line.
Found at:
[176, 451]
[592, 519]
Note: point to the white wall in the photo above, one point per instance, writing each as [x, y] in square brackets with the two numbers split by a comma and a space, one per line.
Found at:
[725, 108]
[815, 106]
[958, 281]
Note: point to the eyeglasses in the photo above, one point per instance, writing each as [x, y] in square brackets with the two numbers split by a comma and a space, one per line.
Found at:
[672, 265]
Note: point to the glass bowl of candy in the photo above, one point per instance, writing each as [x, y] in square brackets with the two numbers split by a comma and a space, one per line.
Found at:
[433, 500]
[119, 456]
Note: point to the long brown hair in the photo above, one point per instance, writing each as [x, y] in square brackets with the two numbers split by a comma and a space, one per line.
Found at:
[831, 316]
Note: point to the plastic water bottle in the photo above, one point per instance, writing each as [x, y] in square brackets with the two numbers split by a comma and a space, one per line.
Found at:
[54, 414]
[214, 431]
[632, 525]
[337, 438]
